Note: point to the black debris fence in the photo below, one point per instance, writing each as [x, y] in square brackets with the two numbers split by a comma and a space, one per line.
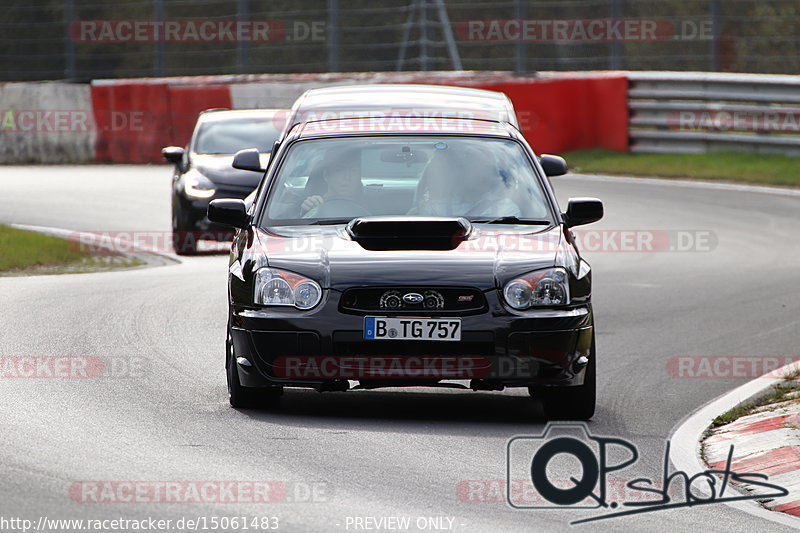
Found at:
[88, 39]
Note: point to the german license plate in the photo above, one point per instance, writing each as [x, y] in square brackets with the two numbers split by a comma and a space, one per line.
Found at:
[412, 329]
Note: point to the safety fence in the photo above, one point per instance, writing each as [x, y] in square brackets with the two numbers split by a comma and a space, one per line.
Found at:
[691, 112]
[90, 39]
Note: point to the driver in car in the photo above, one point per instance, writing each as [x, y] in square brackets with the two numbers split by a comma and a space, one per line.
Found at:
[341, 182]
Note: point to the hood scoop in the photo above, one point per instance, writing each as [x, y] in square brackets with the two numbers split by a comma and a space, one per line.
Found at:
[409, 233]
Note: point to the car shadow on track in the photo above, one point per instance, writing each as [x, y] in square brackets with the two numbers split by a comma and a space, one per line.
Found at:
[366, 408]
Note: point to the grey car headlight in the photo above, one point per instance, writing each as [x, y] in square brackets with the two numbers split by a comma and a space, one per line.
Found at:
[279, 287]
[539, 288]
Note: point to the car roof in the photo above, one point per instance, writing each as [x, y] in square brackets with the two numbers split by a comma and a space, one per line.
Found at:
[402, 126]
[391, 99]
[211, 115]
[316, 96]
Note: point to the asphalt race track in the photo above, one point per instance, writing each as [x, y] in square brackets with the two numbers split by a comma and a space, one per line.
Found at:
[364, 454]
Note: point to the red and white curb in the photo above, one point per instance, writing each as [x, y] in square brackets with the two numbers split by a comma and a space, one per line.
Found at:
[767, 442]
[749, 437]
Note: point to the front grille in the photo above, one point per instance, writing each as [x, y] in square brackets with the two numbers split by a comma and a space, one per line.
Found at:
[347, 343]
[410, 300]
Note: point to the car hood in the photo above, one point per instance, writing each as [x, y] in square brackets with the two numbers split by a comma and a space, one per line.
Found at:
[487, 257]
[219, 170]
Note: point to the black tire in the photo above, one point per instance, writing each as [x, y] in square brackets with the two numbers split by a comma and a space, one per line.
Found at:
[571, 403]
[242, 397]
[183, 239]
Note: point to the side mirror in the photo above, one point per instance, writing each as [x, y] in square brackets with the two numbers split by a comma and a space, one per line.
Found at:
[582, 211]
[553, 165]
[248, 159]
[228, 211]
[173, 154]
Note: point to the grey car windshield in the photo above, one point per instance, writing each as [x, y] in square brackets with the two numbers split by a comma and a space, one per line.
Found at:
[230, 136]
[480, 178]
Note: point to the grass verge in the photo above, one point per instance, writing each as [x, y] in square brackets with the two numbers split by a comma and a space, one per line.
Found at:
[739, 167]
[780, 392]
[27, 252]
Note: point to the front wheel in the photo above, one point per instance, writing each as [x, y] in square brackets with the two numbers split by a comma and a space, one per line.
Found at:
[247, 397]
[183, 240]
[571, 403]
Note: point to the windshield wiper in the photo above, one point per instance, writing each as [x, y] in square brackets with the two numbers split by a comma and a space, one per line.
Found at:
[330, 221]
[514, 220]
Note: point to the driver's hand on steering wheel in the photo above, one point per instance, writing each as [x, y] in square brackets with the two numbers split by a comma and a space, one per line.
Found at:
[310, 203]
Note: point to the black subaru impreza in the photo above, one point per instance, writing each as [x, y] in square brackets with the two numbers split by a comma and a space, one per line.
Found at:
[411, 252]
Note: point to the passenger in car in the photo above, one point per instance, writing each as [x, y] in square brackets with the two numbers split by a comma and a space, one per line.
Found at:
[464, 183]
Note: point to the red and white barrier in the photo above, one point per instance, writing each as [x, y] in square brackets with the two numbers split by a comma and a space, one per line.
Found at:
[132, 119]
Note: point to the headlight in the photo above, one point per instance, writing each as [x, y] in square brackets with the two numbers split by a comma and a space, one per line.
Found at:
[278, 287]
[539, 288]
[198, 186]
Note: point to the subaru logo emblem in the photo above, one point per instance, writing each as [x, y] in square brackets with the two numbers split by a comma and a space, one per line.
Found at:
[413, 298]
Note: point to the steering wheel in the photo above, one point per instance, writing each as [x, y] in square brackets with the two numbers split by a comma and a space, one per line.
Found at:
[338, 207]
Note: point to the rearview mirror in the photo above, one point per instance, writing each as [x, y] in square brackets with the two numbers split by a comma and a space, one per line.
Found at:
[582, 211]
[248, 159]
[403, 154]
[173, 154]
[228, 211]
[553, 165]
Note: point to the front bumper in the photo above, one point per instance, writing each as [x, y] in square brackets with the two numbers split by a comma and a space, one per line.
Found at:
[498, 348]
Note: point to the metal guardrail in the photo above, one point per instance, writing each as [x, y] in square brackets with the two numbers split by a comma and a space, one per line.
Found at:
[697, 112]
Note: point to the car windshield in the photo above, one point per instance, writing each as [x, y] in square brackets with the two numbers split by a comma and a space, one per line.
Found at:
[335, 180]
[230, 136]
